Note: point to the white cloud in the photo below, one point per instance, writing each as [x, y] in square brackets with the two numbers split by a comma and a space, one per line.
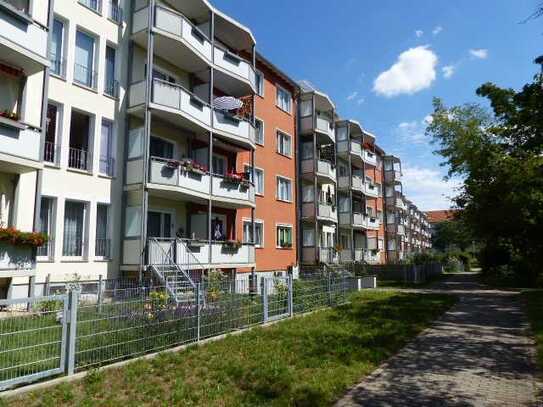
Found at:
[352, 96]
[360, 101]
[419, 33]
[413, 132]
[414, 71]
[437, 29]
[479, 53]
[448, 71]
[426, 188]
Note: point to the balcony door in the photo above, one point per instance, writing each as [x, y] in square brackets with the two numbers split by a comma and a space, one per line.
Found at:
[160, 224]
[84, 59]
[161, 148]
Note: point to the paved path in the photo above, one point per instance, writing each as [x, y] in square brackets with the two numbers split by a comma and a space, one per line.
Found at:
[478, 354]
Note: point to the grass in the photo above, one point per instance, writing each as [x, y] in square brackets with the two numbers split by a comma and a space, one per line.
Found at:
[534, 308]
[309, 361]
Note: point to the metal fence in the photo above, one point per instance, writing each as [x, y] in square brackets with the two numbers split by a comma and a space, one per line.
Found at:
[80, 329]
[407, 273]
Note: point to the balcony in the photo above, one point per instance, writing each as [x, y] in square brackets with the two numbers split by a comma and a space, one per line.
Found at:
[23, 43]
[369, 157]
[323, 212]
[236, 67]
[372, 223]
[202, 254]
[356, 183]
[16, 259]
[232, 193]
[19, 146]
[175, 176]
[396, 228]
[176, 32]
[392, 176]
[371, 190]
[237, 129]
[173, 103]
[325, 171]
[352, 147]
[325, 126]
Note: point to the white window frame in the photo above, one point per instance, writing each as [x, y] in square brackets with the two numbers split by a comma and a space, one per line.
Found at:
[108, 230]
[277, 178]
[85, 238]
[51, 235]
[279, 132]
[285, 226]
[64, 47]
[279, 89]
[247, 167]
[263, 132]
[257, 74]
[260, 222]
[95, 57]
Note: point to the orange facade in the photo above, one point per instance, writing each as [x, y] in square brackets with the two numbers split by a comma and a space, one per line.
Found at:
[270, 211]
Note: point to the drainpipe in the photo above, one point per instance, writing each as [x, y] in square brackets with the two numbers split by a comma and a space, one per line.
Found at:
[210, 152]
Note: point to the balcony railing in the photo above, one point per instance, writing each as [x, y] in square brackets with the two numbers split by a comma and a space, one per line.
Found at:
[371, 190]
[51, 152]
[392, 175]
[111, 88]
[328, 255]
[107, 166]
[58, 66]
[326, 126]
[102, 248]
[237, 127]
[79, 159]
[170, 172]
[325, 210]
[85, 76]
[369, 157]
[326, 169]
[73, 246]
[234, 191]
[236, 65]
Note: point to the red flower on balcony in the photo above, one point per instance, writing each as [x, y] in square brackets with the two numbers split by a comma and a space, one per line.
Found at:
[15, 237]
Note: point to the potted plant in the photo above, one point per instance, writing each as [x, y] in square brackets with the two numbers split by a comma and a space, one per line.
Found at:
[232, 244]
[9, 115]
[173, 164]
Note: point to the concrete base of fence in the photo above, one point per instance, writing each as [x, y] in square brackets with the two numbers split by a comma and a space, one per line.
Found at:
[367, 282]
[78, 376]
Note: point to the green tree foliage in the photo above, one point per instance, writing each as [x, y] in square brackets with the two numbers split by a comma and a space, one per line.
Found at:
[498, 152]
[451, 234]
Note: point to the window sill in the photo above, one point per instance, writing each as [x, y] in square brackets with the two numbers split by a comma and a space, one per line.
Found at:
[68, 259]
[284, 248]
[282, 200]
[48, 164]
[82, 172]
[57, 76]
[44, 260]
[283, 110]
[105, 176]
[284, 155]
[82, 86]
[102, 259]
[115, 98]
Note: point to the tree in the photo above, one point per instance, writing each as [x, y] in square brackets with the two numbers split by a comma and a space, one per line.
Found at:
[450, 235]
[498, 152]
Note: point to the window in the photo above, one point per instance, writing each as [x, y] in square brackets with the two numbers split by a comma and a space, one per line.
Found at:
[259, 77]
[284, 99]
[248, 233]
[10, 91]
[284, 236]
[308, 237]
[107, 162]
[84, 60]
[284, 144]
[79, 155]
[284, 189]
[111, 87]
[259, 130]
[103, 243]
[50, 153]
[161, 148]
[219, 164]
[57, 50]
[21, 5]
[115, 12]
[159, 224]
[47, 226]
[95, 5]
[74, 229]
[259, 179]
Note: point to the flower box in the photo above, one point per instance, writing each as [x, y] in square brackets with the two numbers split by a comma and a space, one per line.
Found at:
[15, 237]
[231, 244]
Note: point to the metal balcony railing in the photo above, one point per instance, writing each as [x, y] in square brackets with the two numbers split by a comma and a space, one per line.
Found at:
[111, 88]
[79, 159]
[115, 13]
[102, 248]
[58, 66]
[51, 152]
[107, 166]
[85, 76]
[73, 246]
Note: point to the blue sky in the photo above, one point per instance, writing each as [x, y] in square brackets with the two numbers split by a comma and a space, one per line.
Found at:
[382, 62]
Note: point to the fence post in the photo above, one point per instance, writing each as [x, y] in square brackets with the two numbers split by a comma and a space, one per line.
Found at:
[265, 298]
[100, 293]
[73, 303]
[31, 291]
[330, 289]
[290, 295]
[198, 311]
[47, 286]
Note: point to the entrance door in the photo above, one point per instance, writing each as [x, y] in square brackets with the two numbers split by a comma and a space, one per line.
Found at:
[159, 224]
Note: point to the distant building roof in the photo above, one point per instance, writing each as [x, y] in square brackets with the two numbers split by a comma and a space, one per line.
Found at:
[440, 216]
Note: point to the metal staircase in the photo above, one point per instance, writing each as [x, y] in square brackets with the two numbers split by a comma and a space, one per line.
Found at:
[175, 277]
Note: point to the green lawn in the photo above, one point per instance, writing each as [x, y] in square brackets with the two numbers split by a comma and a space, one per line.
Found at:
[534, 306]
[307, 361]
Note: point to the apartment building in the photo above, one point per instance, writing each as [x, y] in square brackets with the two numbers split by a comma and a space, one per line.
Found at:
[24, 69]
[81, 186]
[275, 220]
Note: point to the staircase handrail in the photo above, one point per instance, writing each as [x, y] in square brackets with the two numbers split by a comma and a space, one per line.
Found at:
[171, 262]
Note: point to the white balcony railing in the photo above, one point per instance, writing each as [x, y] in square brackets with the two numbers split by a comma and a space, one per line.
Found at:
[371, 190]
[238, 128]
[358, 183]
[325, 126]
[18, 141]
[372, 223]
[326, 169]
[326, 211]
[392, 175]
[240, 193]
[172, 173]
[235, 65]
[369, 157]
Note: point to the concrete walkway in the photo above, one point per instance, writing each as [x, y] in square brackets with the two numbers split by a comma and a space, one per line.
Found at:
[477, 354]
